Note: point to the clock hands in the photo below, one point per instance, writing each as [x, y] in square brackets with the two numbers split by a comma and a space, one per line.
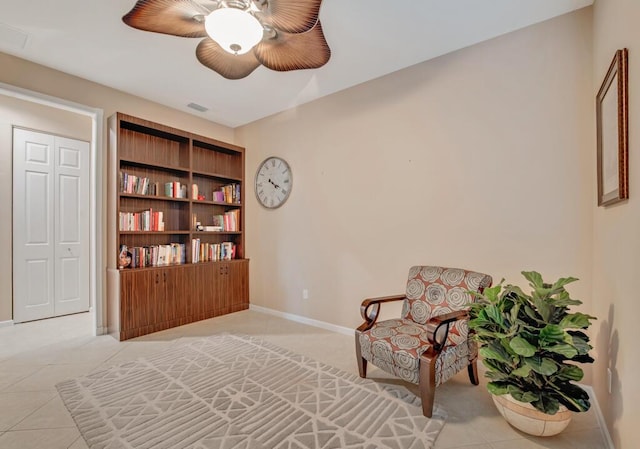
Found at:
[274, 184]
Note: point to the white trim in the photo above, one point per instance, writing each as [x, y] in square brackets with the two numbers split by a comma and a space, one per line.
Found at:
[601, 422]
[6, 323]
[304, 320]
[97, 299]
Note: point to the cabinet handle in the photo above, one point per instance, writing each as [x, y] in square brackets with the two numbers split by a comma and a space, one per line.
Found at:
[157, 278]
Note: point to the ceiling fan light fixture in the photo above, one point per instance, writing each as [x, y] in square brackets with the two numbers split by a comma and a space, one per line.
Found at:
[235, 30]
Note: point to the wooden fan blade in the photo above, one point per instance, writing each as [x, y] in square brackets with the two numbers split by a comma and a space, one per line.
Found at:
[174, 17]
[294, 51]
[232, 67]
[291, 16]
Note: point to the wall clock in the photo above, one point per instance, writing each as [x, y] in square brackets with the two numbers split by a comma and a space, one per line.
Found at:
[273, 182]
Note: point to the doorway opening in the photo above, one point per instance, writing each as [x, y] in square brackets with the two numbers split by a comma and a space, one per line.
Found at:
[96, 263]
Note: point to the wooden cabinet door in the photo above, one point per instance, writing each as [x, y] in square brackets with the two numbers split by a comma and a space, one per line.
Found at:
[137, 290]
[164, 307]
[172, 299]
[222, 302]
[205, 288]
[237, 285]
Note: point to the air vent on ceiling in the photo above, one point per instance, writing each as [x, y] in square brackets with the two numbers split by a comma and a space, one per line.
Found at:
[197, 107]
[13, 37]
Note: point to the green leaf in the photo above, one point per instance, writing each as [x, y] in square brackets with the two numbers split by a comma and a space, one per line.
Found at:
[522, 347]
[533, 277]
[494, 314]
[569, 372]
[542, 365]
[580, 344]
[560, 283]
[563, 300]
[552, 333]
[547, 404]
[583, 358]
[522, 371]
[495, 351]
[566, 350]
[494, 365]
[573, 397]
[522, 396]
[532, 313]
[496, 375]
[491, 293]
[513, 316]
[576, 321]
[545, 310]
[498, 388]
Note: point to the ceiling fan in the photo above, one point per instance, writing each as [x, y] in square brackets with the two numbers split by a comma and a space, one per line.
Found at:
[241, 35]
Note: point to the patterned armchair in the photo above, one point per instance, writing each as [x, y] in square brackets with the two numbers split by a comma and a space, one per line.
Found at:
[430, 343]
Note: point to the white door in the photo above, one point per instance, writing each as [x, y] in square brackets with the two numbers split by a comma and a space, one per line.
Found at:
[50, 226]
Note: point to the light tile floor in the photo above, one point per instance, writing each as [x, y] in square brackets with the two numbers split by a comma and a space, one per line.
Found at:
[35, 356]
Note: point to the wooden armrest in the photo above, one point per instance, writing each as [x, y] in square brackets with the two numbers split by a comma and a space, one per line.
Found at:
[370, 308]
[435, 323]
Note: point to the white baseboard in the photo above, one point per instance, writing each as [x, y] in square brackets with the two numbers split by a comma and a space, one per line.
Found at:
[6, 323]
[101, 331]
[304, 320]
[601, 422]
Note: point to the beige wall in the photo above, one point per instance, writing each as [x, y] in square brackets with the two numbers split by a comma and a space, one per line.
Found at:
[26, 75]
[616, 261]
[14, 112]
[478, 159]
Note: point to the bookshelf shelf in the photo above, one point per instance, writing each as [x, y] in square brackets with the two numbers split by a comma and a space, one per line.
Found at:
[166, 180]
[154, 197]
[154, 232]
[217, 203]
[217, 176]
[142, 164]
[197, 233]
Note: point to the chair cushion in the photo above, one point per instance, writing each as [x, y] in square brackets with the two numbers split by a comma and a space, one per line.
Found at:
[453, 359]
[395, 346]
[433, 291]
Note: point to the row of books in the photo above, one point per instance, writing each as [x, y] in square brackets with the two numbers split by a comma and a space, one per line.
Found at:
[175, 189]
[147, 220]
[227, 194]
[153, 256]
[208, 252]
[138, 185]
[230, 221]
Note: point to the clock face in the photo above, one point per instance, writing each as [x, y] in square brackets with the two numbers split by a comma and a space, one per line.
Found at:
[273, 182]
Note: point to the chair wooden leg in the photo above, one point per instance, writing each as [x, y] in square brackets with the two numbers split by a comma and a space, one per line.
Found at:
[362, 362]
[473, 372]
[427, 381]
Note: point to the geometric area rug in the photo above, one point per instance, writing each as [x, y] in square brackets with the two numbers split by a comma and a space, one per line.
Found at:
[239, 392]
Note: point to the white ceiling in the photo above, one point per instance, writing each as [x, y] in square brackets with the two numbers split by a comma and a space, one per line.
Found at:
[368, 39]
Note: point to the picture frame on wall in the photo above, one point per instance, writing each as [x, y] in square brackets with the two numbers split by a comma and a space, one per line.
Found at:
[612, 133]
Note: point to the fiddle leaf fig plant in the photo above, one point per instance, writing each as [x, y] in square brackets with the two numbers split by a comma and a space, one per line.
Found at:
[531, 343]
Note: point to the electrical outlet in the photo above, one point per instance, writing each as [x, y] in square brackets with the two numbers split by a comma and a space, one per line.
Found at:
[609, 379]
[305, 294]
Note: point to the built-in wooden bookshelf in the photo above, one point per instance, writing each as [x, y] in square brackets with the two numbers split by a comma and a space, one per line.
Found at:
[176, 217]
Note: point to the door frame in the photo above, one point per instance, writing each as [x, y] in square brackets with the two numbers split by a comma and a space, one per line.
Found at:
[97, 296]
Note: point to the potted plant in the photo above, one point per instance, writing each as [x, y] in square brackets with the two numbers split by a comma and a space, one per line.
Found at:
[531, 344]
